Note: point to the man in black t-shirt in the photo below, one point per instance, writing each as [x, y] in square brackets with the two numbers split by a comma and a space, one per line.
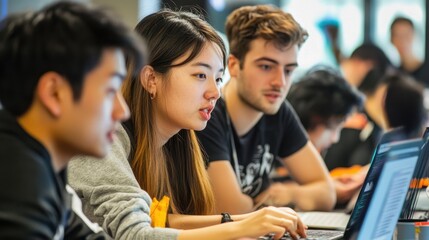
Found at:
[60, 76]
[252, 124]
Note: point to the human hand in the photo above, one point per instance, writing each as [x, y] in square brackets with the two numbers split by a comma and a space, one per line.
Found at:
[272, 220]
[301, 227]
[278, 194]
[347, 185]
[262, 200]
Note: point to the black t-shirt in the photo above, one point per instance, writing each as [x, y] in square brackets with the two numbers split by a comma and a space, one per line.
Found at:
[421, 74]
[34, 202]
[354, 147]
[278, 135]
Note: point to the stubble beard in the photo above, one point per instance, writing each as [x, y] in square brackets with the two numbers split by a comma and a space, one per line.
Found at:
[258, 105]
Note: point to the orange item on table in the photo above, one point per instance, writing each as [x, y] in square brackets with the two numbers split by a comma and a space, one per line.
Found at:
[341, 171]
[158, 211]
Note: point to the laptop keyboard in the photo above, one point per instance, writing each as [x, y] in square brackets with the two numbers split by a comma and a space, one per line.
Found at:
[325, 220]
[312, 234]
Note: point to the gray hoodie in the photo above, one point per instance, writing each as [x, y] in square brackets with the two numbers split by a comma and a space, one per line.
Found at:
[111, 195]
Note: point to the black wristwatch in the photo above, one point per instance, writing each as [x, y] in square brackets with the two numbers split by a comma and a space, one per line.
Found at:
[226, 218]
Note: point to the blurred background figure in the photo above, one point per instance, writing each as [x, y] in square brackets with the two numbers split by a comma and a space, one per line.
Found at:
[402, 34]
[323, 100]
[404, 105]
[364, 69]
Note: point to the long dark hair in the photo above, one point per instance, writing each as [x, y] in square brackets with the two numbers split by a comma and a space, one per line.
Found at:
[178, 170]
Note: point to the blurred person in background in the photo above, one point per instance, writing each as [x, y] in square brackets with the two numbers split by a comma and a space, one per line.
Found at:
[402, 35]
[324, 100]
[404, 105]
[364, 69]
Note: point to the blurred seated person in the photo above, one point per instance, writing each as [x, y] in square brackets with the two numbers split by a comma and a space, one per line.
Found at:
[364, 69]
[402, 35]
[403, 106]
[323, 100]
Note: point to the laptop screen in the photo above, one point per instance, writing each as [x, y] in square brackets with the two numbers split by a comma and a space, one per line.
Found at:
[416, 198]
[390, 191]
[378, 159]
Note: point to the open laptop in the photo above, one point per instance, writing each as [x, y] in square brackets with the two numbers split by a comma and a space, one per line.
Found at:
[389, 195]
[416, 204]
[381, 198]
[339, 220]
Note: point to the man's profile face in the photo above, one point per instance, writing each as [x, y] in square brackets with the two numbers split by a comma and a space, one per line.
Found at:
[90, 122]
[264, 79]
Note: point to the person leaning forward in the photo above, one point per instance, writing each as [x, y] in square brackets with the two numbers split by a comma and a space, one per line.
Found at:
[252, 123]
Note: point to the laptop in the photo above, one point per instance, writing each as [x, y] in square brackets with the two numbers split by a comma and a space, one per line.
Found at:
[416, 204]
[339, 220]
[389, 194]
[382, 196]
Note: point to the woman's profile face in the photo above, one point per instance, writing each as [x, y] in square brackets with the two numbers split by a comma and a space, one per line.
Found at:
[186, 98]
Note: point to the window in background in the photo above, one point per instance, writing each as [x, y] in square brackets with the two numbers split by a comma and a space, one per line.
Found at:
[218, 11]
[147, 7]
[324, 19]
[3, 8]
[13, 6]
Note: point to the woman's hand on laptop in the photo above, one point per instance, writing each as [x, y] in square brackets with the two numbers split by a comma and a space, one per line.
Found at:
[274, 220]
[301, 227]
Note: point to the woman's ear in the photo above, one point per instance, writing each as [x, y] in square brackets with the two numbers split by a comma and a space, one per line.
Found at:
[148, 79]
[233, 65]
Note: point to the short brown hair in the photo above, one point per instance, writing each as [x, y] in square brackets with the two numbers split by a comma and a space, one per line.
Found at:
[262, 21]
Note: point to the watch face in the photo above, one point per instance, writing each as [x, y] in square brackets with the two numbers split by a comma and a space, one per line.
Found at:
[226, 218]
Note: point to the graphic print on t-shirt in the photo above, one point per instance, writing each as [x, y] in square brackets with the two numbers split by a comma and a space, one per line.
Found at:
[260, 166]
